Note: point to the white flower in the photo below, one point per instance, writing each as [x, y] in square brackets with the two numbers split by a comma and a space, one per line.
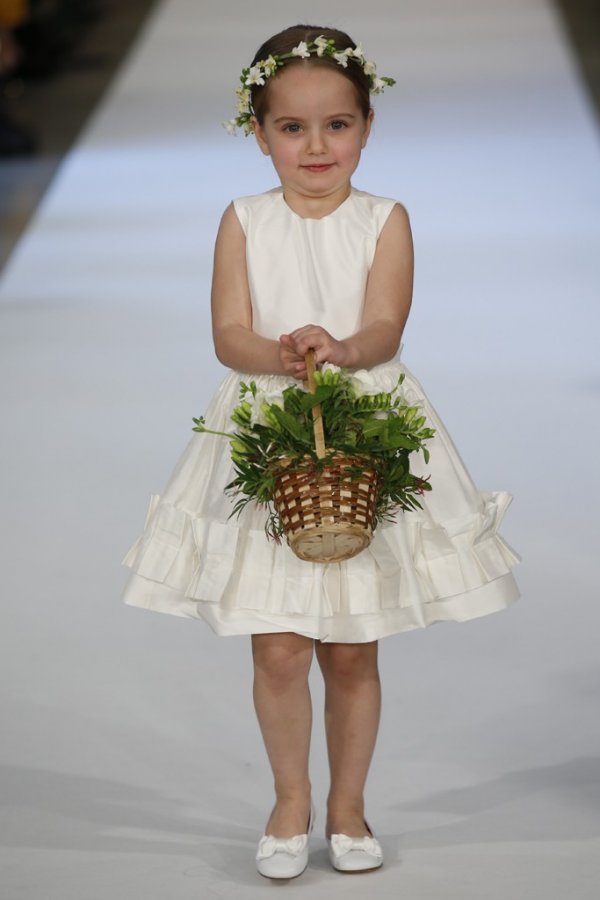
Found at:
[230, 126]
[255, 76]
[301, 50]
[329, 367]
[342, 58]
[364, 384]
[378, 85]
[273, 397]
[270, 66]
[321, 43]
[369, 67]
[243, 95]
[257, 415]
[358, 53]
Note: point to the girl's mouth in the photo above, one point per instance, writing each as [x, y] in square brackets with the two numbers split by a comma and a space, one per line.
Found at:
[324, 167]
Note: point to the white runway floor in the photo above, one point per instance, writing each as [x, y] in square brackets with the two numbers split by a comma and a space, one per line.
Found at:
[132, 764]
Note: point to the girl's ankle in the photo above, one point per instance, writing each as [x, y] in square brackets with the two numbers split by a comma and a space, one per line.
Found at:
[345, 806]
[298, 794]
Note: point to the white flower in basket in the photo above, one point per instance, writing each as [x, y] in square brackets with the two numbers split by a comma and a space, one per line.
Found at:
[364, 383]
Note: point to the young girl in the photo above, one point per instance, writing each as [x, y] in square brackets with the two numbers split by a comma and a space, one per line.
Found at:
[315, 263]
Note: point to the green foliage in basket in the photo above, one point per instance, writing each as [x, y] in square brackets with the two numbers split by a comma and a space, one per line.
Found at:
[274, 432]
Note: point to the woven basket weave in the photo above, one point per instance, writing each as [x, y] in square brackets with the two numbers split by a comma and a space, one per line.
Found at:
[327, 516]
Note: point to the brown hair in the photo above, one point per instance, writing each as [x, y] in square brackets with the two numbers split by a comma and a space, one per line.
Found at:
[284, 42]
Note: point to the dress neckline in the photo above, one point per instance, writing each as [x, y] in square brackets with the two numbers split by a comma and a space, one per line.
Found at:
[314, 218]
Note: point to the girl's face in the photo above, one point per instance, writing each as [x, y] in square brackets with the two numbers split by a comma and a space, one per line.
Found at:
[314, 132]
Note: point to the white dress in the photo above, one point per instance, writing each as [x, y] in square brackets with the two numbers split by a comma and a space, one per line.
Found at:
[444, 562]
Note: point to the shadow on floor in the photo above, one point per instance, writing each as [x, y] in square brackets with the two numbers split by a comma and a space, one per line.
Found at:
[550, 803]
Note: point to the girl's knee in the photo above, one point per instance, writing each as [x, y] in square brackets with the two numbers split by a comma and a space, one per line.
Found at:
[348, 661]
[282, 657]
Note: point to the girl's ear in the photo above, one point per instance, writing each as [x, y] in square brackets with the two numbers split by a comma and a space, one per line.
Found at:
[259, 134]
[367, 131]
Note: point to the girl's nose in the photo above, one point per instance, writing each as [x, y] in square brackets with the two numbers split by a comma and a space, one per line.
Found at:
[316, 141]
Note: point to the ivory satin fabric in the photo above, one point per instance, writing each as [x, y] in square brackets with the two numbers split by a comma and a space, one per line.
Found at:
[444, 562]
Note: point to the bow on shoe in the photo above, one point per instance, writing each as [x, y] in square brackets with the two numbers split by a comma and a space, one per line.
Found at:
[269, 845]
[343, 843]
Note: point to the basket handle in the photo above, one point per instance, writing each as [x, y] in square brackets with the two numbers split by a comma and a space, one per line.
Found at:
[316, 410]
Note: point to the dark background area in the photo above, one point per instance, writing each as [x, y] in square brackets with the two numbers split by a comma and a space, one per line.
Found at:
[69, 52]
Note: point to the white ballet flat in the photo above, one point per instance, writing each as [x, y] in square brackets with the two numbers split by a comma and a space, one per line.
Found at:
[355, 854]
[284, 857]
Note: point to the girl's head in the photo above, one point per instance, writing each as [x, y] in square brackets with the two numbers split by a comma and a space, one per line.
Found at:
[306, 96]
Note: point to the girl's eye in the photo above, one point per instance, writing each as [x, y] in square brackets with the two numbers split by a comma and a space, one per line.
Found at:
[337, 125]
[292, 127]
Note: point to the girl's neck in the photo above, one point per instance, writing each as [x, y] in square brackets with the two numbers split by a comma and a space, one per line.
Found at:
[316, 207]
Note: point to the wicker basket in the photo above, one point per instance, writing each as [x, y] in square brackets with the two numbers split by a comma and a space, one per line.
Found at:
[327, 516]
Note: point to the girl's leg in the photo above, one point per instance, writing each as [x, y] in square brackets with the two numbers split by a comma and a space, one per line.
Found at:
[283, 706]
[352, 710]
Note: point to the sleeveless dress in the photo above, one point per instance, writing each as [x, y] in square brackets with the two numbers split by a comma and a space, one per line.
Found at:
[444, 562]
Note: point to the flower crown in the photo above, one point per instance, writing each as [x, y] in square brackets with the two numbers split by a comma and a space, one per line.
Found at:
[266, 68]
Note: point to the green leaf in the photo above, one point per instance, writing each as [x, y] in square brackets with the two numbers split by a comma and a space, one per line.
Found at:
[288, 422]
[322, 393]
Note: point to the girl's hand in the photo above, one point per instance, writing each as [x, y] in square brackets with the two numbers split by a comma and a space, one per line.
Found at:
[293, 348]
[292, 363]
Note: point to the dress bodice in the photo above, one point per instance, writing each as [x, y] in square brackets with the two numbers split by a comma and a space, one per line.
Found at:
[303, 270]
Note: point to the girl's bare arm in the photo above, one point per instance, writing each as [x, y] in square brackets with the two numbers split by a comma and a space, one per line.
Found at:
[236, 345]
